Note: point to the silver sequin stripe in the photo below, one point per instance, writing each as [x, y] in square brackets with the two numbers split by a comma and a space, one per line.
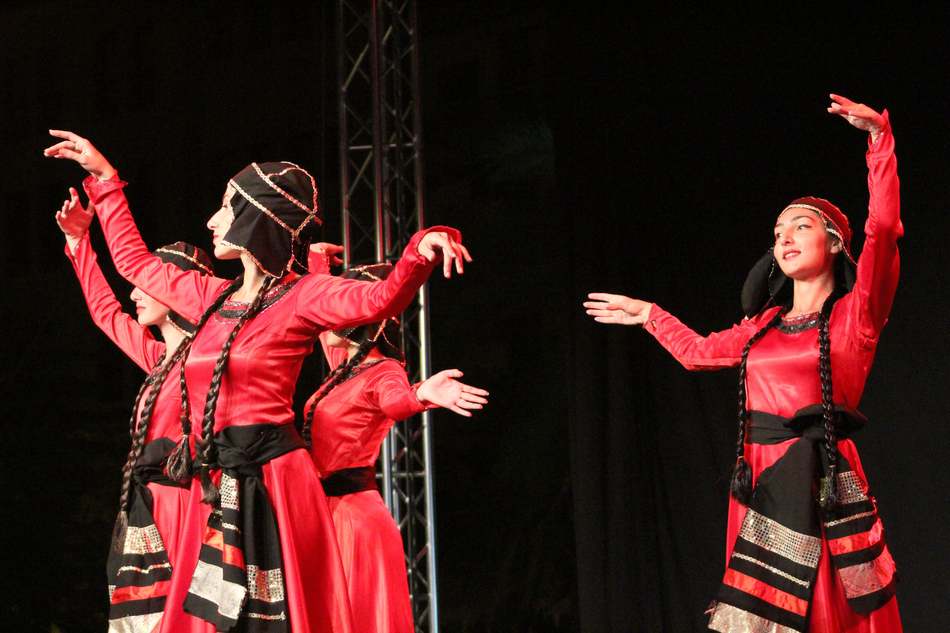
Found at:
[778, 539]
[774, 570]
[145, 570]
[266, 585]
[850, 488]
[729, 619]
[229, 492]
[135, 623]
[264, 616]
[853, 517]
[143, 540]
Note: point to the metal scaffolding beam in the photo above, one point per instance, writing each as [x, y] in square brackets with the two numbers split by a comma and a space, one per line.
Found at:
[381, 183]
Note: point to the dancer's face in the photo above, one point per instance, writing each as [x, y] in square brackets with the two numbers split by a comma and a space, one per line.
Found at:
[803, 247]
[148, 311]
[219, 223]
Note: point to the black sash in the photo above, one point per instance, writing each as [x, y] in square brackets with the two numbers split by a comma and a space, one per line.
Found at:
[346, 481]
[771, 574]
[240, 573]
[138, 576]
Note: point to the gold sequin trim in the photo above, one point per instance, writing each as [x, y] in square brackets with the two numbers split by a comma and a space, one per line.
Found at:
[778, 539]
[850, 488]
[186, 256]
[273, 185]
[262, 208]
[774, 570]
[729, 619]
[143, 540]
[853, 517]
[860, 580]
[830, 226]
[229, 492]
[266, 585]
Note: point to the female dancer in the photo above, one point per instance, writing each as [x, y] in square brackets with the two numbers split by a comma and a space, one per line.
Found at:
[269, 555]
[347, 418]
[792, 566]
[151, 506]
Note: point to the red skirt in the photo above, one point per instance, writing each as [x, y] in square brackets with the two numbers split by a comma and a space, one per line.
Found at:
[374, 562]
[316, 590]
[829, 612]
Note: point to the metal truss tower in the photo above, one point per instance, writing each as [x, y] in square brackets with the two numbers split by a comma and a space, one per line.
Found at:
[381, 183]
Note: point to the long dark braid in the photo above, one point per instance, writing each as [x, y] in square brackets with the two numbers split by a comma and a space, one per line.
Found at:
[178, 465]
[205, 444]
[139, 424]
[828, 496]
[741, 486]
[338, 376]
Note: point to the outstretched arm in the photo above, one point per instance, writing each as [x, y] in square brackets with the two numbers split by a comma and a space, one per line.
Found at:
[879, 263]
[185, 292]
[692, 350]
[398, 400]
[329, 303]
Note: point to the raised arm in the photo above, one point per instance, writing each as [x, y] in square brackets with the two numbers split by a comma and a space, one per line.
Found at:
[185, 292]
[329, 303]
[692, 350]
[879, 263]
[106, 311]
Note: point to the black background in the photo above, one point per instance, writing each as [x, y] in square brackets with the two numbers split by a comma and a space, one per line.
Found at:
[577, 149]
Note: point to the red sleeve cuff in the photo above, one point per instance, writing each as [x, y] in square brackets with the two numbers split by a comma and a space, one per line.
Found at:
[96, 188]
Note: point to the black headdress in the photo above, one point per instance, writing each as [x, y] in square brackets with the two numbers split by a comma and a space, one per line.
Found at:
[187, 257]
[275, 215]
[386, 333]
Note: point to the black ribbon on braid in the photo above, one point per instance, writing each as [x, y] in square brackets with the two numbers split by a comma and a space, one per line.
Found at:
[779, 544]
[238, 581]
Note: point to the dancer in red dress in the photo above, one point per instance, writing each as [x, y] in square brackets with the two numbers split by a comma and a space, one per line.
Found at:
[269, 557]
[347, 418]
[797, 563]
[152, 506]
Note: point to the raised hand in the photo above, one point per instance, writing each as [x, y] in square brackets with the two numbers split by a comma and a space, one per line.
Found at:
[857, 114]
[329, 251]
[608, 308]
[73, 219]
[76, 148]
[439, 243]
[444, 390]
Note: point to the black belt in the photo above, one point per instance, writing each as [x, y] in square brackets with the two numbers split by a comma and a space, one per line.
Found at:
[349, 480]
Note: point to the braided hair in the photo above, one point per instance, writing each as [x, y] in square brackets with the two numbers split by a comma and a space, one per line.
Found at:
[204, 443]
[178, 465]
[342, 373]
[138, 430]
[741, 484]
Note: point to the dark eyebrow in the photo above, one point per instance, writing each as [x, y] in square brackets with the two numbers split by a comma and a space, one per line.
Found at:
[797, 217]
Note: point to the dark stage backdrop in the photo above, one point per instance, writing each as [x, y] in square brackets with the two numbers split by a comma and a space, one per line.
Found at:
[577, 151]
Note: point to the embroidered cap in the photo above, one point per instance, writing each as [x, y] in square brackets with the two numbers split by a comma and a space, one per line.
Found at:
[187, 257]
[275, 214]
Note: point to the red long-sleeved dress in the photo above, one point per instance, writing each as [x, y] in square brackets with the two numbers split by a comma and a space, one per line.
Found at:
[169, 503]
[782, 374]
[258, 388]
[349, 426]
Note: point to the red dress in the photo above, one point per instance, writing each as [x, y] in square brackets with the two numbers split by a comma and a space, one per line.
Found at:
[349, 426]
[169, 503]
[258, 388]
[782, 373]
